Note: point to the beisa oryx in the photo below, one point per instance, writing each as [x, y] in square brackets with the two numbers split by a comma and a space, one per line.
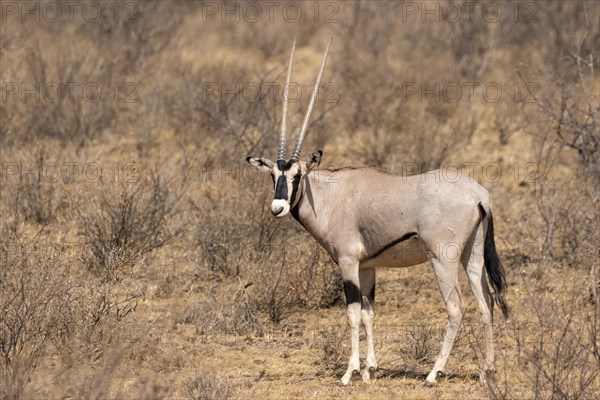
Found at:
[367, 219]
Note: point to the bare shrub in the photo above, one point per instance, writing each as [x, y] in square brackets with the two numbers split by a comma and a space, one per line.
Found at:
[153, 388]
[123, 225]
[105, 310]
[274, 294]
[220, 243]
[386, 125]
[235, 118]
[561, 362]
[570, 101]
[99, 381]
[505, 122]
[100, 377]
[209, 386]
[87, 95]
[320, 280]
[446, 132]
[469, 43]
[35, 198]
[245, 319]
[223, 238]
[570, 106]
[76, 116]
[215, 316]
[569, 28]
[290, 276]
[208, 314]
[332, 343]
[571, 226]
[145, 29]
[36, 294]
[420, 343]
[281, 277]
[574, 118]
[49, 313]
[104, 333]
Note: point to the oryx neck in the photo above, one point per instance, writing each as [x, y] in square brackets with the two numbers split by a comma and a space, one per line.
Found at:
[312, 207]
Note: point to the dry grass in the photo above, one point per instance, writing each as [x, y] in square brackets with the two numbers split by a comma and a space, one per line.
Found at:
[139, 258]
[209, 387]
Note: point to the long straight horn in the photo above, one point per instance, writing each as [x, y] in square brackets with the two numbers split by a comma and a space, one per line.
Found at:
[296, 154]
[281, 153]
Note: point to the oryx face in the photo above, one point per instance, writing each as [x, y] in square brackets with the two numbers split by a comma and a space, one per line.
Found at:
[288, 175]
[287, 180]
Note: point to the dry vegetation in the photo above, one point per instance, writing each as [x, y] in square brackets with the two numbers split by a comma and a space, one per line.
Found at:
[138, 255]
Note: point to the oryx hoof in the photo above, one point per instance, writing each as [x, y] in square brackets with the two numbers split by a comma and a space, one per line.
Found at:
[432, 378]
[346, 378]
[368, 374]
[348, 375]
[428, 383]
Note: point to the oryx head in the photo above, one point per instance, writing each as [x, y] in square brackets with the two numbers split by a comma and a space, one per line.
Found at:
[288, 175]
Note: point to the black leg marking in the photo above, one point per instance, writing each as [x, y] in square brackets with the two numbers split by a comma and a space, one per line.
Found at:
[371, 295]
[352, 293]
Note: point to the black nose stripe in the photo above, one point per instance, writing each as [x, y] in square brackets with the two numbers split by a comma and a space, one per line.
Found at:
[281, 189]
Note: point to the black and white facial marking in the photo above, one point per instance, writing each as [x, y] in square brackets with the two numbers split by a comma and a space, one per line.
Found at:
[287, 179]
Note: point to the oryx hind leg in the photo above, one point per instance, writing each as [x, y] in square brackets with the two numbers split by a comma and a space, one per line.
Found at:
[446, 273]
[367, 288]
[473, 261]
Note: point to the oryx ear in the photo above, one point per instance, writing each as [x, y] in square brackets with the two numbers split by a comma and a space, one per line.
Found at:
[314, 160]
[261, 163]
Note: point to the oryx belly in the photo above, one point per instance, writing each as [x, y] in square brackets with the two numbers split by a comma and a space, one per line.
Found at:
[404, 253]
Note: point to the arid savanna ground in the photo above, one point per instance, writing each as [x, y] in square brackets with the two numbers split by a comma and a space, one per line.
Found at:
[139, 258]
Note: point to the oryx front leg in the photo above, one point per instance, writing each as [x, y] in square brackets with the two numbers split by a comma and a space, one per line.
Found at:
[353, 302]
[446, 273]
[367, 287]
